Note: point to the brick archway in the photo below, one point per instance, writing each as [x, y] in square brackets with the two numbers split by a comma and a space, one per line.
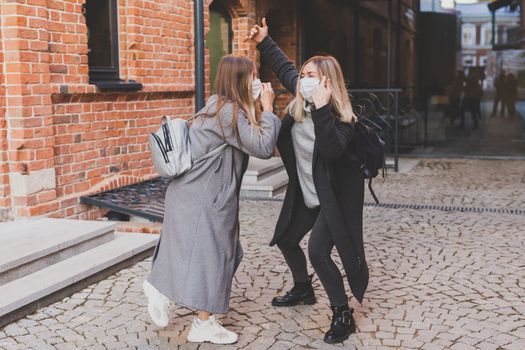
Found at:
[243, 18]
[237, 8]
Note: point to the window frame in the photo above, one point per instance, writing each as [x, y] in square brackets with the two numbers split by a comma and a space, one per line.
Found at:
[471, 29]
[222, 10]
[468, 57]
[108, 78]
[111, 73]
[486, 28]
[482, 61]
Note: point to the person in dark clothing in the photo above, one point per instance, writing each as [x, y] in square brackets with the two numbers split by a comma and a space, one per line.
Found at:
[326, 188]
[499, 84]
[478, 95]
[455, 93]
[511, 94]
[471, 101]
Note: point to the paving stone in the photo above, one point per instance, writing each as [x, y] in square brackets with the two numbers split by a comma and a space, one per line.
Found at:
[438, 280]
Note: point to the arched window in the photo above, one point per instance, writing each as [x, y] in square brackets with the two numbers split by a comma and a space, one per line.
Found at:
[486, 34]
[468, 35]
[219, 38]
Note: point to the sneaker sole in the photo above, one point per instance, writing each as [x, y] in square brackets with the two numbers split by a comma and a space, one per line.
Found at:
[158, 324]
[309, 301]
[203, 340]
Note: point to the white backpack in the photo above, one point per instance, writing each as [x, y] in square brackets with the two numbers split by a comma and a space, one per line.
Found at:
[171, 148]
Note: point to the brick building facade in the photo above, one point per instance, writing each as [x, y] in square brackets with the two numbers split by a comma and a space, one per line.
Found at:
[62, 137]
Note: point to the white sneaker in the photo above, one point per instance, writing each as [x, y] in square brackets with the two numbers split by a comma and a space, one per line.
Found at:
[158, 305]
[211, 331]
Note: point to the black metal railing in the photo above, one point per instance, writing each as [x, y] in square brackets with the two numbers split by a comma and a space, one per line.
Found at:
[392, 112]
[509, 38]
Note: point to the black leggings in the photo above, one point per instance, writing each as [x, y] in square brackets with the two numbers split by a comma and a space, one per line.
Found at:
[320, 248]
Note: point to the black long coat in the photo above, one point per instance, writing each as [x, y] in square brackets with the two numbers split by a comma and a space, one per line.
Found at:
[338, 181]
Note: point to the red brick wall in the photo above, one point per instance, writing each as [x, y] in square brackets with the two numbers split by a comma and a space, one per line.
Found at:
[28, 109]
[63, 127]
[4, 178]
[103, 136]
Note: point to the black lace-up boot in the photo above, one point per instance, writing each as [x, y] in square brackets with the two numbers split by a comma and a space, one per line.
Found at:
[301, 293]
[342, 326]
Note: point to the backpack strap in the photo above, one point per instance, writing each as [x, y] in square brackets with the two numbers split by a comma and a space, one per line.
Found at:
[372, 191]
[211, 153]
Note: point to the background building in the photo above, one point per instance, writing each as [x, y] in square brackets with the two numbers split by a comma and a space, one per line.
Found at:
[476, 37]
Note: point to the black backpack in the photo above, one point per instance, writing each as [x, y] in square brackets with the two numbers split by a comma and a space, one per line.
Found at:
[369, 151]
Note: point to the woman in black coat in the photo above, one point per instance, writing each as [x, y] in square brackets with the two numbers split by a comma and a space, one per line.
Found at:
[326, 189]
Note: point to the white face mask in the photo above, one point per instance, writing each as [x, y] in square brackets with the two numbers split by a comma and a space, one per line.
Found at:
[306, 87]
[256, 88]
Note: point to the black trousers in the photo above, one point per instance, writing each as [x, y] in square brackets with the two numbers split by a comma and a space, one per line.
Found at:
[498, 100]
[471, 105]
[320, 248]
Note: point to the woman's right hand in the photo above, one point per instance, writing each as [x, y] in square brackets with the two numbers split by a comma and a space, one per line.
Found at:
[258, 33]
[267, 97]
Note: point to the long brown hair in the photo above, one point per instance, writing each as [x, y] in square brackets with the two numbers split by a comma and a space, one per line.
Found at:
[233, 84]
[330, 68]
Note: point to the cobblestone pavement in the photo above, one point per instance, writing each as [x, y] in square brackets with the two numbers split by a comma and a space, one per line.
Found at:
[438, 280]
[457, 182]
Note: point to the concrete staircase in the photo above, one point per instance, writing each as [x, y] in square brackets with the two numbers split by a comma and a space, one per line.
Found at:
[46, 257]
[264, 178]
[267, 178]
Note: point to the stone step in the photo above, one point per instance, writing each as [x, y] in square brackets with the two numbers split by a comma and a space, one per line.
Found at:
[37, 285]
[259, 169]
[267, 188]
[27, 246]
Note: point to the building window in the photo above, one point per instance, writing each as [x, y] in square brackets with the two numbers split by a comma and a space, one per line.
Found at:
[468, 35]
[486, 34]
[469, 61]
[483, 61]
[219, 38]
[101, 21]
[103, 56]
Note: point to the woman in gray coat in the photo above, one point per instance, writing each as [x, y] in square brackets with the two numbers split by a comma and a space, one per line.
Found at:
[199, 249]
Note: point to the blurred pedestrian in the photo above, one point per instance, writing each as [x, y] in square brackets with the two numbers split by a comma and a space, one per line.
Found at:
[499, 84]
[471, 101]
[511, 94]
[455, 92]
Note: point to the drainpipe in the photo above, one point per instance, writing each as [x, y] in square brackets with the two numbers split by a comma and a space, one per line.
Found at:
[389, 46]
[198, 11]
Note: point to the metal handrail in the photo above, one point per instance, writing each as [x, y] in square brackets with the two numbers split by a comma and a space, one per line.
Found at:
[382, 106]
[382, 111]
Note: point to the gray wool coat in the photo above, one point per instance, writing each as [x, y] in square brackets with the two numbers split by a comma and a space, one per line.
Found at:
[199, 248]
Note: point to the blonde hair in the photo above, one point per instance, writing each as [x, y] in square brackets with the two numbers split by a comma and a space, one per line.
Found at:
[233, 84]
[330, 68]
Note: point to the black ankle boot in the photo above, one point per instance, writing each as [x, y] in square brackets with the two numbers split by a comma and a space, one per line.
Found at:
[301, 293]
[342, 326]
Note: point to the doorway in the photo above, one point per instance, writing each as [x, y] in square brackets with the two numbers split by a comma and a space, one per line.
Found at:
[219, 38]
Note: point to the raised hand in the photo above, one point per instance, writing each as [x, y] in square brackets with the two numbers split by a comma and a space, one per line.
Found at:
[267, 97]
[321, 93]
[257, 33]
